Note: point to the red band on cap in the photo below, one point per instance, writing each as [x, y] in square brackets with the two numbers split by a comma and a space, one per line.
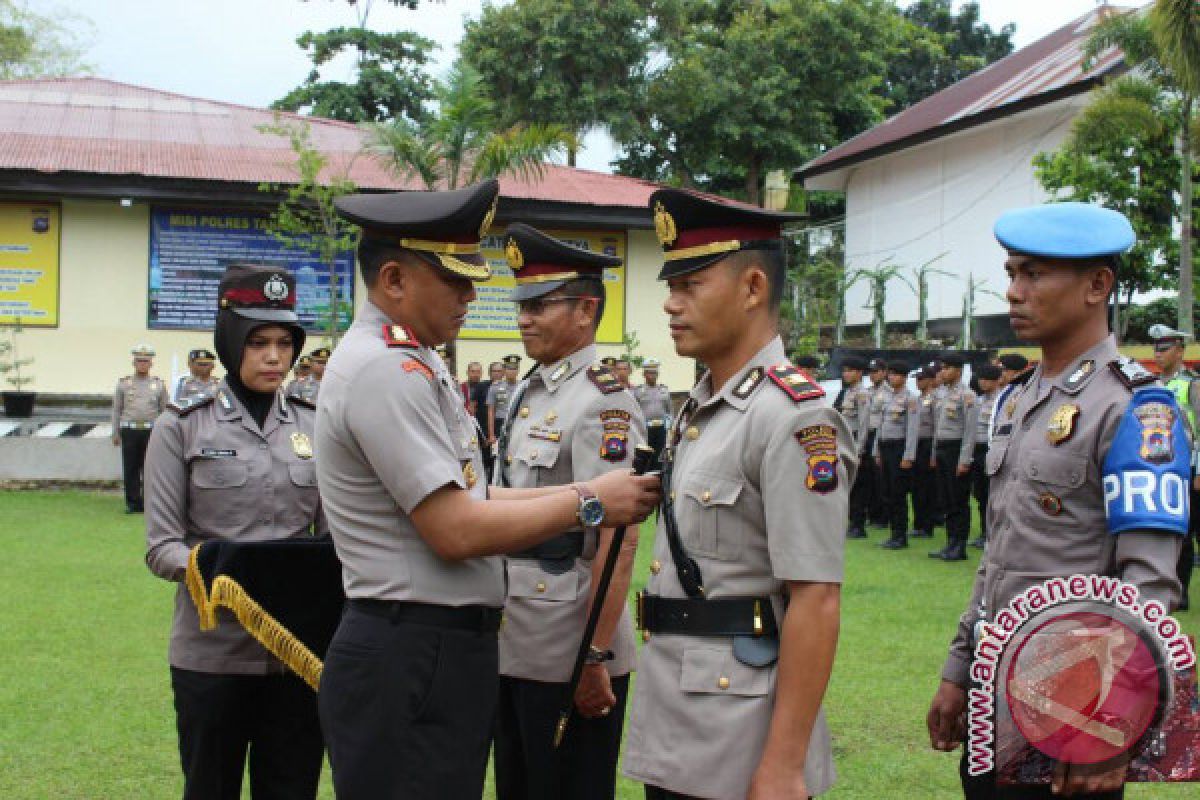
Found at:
[254, 297]
[696, 237]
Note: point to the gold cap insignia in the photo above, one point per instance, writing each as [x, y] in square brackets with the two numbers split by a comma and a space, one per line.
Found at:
[1062, 423]
[664, 225]
[302, 445]
[487, 219]
[513, 254]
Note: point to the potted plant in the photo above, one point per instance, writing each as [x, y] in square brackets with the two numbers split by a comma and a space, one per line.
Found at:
[17, 403]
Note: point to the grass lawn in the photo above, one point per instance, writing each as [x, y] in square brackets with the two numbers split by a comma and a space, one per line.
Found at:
[85, 703]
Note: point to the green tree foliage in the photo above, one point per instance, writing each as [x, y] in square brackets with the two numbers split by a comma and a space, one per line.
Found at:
[34, 45]
[572, 63]
[939, 48]
[733, 90]
[462, 142]
[1121, 153]
[306, 218]
[391, 80]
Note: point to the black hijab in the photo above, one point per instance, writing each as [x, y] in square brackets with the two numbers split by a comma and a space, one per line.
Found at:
[229, 337]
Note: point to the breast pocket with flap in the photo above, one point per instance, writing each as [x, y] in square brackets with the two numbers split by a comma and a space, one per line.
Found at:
[710, 523]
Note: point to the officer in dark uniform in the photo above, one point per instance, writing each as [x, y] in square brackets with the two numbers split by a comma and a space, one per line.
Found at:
[742, 604]
[571, 420]
[924, 498]
[408, 695]
[1069, 434]
[237, 465]
[199, 380]
[987, 377]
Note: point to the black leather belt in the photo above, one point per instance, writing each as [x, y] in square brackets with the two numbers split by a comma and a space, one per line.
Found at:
[565, 547]
[478, 619]
[717, 616]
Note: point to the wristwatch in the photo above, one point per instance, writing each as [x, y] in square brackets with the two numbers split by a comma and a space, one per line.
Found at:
[591, 511]
[597, 656]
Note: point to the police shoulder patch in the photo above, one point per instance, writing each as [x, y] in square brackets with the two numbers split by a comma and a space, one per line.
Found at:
[1148, 466]
[399, 336]
[1131, 373]
[795, 382]
[189, 404]
[604, 379]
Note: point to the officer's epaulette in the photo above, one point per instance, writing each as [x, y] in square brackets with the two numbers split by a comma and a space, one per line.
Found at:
[189, 404]
[604, 379]
[399, 336]
[301, 400]
[795, 382]
[1131, 373]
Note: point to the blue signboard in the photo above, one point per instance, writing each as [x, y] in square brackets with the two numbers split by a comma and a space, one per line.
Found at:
[190, 248]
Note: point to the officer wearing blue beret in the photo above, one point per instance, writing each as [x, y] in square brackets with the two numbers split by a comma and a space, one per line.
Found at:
[1088, 462]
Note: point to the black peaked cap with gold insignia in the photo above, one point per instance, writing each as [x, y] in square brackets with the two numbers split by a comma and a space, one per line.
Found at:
[698, 230]
[542, 263]
[258, 292]
[443, 228]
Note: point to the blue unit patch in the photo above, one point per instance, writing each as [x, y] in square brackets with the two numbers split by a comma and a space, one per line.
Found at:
[1147, 469]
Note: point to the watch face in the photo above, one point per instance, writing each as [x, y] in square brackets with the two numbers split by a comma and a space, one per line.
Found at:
[591, 512]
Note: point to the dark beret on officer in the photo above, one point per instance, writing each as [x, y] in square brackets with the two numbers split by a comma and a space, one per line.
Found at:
[1013, 361]
[987, 372]
[954, 360]
[877, 364]
[926, 373]
[854, 362]
[808, 362]
[898, 367]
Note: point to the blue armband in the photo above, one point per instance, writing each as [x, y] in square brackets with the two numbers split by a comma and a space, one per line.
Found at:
[1147, 468]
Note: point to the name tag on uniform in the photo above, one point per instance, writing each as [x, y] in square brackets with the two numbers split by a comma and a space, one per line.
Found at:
[212, 452]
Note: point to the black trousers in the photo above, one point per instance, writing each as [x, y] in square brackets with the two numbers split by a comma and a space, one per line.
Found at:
[898, 483]
[1187, 554]
[980, 485]
[924, 494]
[223, 719]
[955, 491]
[864, 486]
[877, 510]
[133, 459]
[656, 438]
[528, 767]
[407, 709]
[983, 787]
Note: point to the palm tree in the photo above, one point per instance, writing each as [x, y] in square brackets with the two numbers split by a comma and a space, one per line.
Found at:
[1175, 25]
[460, 145]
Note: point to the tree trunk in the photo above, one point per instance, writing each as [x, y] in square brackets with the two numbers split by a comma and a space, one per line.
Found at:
[572, 151]
[1186, 288]
[753, 181]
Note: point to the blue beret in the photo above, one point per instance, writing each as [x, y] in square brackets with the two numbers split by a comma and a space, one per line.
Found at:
[1065, 230]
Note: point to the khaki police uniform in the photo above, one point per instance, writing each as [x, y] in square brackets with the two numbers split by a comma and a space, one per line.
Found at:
[855, 406]
[759, 479]
[305, 389]
[189, 387]
[1047, 465]
[655, 402]
[925, 489]
[499, 395]
[979, 478]
[392, 430]
[137, 402]
[570, 422]
[897, 442]
[877, 511]
[954, 426]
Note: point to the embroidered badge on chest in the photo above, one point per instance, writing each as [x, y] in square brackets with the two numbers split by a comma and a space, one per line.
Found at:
[302, 445]
[469, 475]
[1156, 420]
[614, 446]
[1062, 424]
[544, 433]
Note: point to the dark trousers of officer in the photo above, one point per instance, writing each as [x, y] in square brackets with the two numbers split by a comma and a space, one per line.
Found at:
[529, 767]
[877, 510]
[133, 458]
[1187, 554]
[955, 491]
[983, 787]
[924, 493]
[864, 482]
[980, 485]
[656, 438]
[225, 720]
[407, 708]
[655, 793]
[899, 483]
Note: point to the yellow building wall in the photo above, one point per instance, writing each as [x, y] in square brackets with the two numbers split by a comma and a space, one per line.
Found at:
[103, 274]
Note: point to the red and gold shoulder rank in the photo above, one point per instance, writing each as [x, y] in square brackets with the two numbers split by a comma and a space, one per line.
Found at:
[416, 365]
[189, 404]
[604, 379]
[795, 382]
[399, 336]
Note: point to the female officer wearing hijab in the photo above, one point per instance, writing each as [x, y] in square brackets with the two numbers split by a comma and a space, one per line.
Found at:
[237, 464]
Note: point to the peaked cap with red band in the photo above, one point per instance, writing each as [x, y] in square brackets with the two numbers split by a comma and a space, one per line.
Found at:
[696, 230]
[260, 292]
[541, 263]
[443, 228]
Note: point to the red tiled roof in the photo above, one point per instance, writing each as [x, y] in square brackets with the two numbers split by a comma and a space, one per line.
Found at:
[99, 126]
[1048, 68]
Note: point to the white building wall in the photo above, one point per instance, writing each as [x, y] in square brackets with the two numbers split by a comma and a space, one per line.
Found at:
[943, 197]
